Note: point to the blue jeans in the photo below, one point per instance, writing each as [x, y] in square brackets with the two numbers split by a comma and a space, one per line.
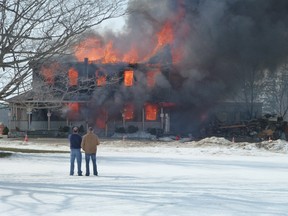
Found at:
[75, 154]
[87, 159]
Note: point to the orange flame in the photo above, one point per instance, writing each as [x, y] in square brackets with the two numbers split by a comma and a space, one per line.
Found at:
[151, 112]
[128, 77]
[74, 107]
[101, 81]
[73, 76]
[91, 48]
[73, 110]
[131, 56]
[96, 50]
[172, 32]
[166, 35]
[110, 55]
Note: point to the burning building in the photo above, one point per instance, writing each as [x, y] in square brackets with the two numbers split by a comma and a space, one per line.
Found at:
[169, 68]
[106, 95]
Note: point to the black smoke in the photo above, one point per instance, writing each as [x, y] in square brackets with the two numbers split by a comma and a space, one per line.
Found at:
[219, 41]
[216, 37]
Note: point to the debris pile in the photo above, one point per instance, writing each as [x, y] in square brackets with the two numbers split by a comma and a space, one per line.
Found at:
[265, 128]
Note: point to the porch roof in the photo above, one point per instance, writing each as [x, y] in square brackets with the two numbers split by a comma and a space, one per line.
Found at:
[31, 99]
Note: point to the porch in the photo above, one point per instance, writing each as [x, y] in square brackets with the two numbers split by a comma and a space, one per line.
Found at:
[62, 129]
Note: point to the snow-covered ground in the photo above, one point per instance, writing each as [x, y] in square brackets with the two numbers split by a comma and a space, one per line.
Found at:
[210, 177]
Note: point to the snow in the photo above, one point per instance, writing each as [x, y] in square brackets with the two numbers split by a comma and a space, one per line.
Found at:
[210, 177]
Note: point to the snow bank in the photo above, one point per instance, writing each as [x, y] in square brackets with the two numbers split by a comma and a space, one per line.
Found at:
[278, 146]
[211, 145]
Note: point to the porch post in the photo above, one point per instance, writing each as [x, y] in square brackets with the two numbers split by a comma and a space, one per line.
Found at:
[123, 119]
[49, 119]
[167, 123]
[106, 124]
[143, 119]
[162, 118]
[9, 119]
[29, 112]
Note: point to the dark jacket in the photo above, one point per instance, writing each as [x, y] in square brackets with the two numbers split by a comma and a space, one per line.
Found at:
[75, 141]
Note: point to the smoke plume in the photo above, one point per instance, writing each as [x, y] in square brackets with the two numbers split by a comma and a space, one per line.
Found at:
[214, 43]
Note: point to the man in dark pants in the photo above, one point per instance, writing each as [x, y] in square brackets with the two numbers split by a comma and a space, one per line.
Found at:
[75, 153]
[89, 145]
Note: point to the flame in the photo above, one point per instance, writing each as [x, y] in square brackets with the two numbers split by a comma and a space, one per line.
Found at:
[91, 48]
[128, 77]
[100, 79]
[73, 76]
[165, 36]
[96, 50]
[129, 111]
[73, 112]
[131, 56]
[110, 55]
[151, 75]
[172, 32]
[151, 112]
[74, 107]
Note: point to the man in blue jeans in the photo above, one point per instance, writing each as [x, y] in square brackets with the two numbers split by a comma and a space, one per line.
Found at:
[75, 153]
[89, 145]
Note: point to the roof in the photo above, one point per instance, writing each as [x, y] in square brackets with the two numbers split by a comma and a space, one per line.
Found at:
[42, 101]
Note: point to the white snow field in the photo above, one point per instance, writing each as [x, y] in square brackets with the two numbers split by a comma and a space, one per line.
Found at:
[148, 178]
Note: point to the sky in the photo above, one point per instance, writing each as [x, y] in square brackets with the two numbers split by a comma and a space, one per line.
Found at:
[113, 24]
[210, 177]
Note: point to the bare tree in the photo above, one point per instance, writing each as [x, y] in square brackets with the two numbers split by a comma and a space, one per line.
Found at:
[276, 91]
[31, 31]
[251, 84]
